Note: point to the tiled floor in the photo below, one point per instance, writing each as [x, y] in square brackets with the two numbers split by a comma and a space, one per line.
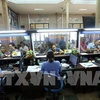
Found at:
[81, 96]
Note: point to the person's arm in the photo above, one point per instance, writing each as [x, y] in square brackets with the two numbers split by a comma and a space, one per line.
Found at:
[61, 51]
[1, 75]
[82, 49]
[42, 68]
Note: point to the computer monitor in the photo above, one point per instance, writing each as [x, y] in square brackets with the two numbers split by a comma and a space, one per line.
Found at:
[73, 60]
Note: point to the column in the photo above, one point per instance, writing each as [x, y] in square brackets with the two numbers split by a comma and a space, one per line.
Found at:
[97, 20]
[67, 19]
[67, 12]
[4, 18]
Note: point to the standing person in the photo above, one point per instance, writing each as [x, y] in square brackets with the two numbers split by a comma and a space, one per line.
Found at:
[23, 47]
[72, 44]
[62, 44]
[51, 66]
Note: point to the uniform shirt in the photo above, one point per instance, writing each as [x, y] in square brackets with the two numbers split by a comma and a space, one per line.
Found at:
[57, 50]
[91, 45]
[53, 67]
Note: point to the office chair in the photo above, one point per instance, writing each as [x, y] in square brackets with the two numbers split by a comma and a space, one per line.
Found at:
[2, 85]
[54, 88]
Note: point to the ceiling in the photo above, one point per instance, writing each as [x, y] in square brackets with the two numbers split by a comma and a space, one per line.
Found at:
[52, 8]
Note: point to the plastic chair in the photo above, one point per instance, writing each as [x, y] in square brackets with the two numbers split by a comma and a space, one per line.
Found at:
[53, 87]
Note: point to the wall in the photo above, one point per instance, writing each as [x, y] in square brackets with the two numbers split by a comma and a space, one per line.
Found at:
[54, 20]
[4, 21]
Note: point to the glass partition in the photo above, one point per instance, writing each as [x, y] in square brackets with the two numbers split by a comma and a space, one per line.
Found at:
[43, 41]
[89, 41]
[7, 37]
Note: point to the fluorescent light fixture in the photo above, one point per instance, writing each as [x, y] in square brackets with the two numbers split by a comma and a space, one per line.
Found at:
[90, 32]
[83, 1]
[83, 9]
[9, 35]
[38, 9]
[58, 30]
[92, 29]
[13, 31]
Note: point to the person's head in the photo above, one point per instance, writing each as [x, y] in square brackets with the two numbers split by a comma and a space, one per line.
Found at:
[83, 39]
[50, 56]
[73, 41]
[22, 44]
[12, 46]
[3, 48]
[54, 47]
[97, 42]
[62, 38]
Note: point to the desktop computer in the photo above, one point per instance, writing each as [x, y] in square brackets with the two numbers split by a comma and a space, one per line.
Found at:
[73, 60]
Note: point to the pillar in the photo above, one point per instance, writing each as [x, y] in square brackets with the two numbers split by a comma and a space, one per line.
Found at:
[4, 18]
[67, 12]
[97, 20]
[67, 20]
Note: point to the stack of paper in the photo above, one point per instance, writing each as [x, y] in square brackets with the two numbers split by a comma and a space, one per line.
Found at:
[65, 65]
[34, 68]
[88, 65]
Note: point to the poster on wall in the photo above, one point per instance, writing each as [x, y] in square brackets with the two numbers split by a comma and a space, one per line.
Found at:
[13, 19]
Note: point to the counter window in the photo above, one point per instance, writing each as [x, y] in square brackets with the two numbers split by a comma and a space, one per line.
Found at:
[42, 42]
[89, 41]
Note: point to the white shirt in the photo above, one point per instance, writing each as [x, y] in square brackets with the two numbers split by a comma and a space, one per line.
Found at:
[25, 48]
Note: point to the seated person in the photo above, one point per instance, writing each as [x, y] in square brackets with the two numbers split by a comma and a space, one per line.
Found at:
[56, 50]
[2, 51]
[83, 46]
[94, 46]
[12, 48]
[23, 47]
[51, 66]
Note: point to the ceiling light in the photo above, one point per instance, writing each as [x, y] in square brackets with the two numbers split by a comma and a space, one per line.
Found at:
[38, 9]
[92, 29]
[82, 9]
[58, 30]
[13, 31]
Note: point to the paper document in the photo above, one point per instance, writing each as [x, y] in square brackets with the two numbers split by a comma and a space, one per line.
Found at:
[34, 68]
[88, 65]
[65, 65]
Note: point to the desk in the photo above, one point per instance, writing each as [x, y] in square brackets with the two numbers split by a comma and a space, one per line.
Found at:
[44, 56]
[8, 60]
[89, 65]
[87, 54]
[57, 57]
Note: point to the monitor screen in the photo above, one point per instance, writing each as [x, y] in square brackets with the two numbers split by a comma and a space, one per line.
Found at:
[73, 60]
